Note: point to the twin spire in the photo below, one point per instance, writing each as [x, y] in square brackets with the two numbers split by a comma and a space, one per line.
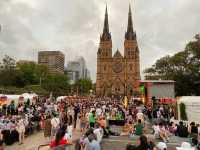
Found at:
[106, 24]
[106, 36]
[130, 22]
[129, 35]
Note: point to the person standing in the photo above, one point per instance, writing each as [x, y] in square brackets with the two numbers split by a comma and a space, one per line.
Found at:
[76, 111]
[55, 123]
[47, 127]
[93, 143]
[98, 131]
[21, 130]
[92, 119]
[82, 121]
[70, 130]
[149, 113]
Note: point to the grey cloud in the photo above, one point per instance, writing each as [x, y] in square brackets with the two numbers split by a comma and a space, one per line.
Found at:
[74, 26]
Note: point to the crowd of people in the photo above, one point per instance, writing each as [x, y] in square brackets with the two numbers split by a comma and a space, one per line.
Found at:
[94, 118]
[18, 120]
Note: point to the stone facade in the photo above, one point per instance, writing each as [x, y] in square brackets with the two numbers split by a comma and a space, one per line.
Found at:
[118, 74]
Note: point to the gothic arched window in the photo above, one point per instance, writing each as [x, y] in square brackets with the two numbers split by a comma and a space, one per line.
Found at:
[104, 68]
[106, 54]
[131, 67]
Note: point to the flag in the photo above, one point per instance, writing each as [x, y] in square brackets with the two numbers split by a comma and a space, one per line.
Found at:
[142, 89]
[125, 102]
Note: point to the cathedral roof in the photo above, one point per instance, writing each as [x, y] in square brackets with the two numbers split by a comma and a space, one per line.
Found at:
[118, 54]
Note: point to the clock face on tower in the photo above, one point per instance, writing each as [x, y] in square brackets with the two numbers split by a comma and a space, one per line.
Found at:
[117, 67]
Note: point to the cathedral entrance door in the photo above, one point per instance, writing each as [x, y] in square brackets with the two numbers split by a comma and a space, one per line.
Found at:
[118, 89]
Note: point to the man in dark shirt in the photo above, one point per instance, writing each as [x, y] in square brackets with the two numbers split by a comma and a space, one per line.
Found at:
[182, 130]
[76, 111]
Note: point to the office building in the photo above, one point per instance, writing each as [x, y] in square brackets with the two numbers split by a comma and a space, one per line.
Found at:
[53, 59]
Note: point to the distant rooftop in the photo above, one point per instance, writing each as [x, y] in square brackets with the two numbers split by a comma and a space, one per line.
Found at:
[51, 52]
[157, 81]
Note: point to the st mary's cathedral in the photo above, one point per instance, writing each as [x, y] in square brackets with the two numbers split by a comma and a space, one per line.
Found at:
[118, 74]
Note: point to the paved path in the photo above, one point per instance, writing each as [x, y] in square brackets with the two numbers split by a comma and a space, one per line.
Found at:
[119, 143]
[32, 142]
[113, 143]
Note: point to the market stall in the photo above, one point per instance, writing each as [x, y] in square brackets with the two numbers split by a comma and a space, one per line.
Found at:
[7, 99]
[3, 100]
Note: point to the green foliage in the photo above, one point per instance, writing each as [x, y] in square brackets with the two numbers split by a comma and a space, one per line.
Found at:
[32, 72]
[8, 62]
[57, 83]
[183, 114]
[84, 86]
[183, 67]
[36, 89]
[28, 76]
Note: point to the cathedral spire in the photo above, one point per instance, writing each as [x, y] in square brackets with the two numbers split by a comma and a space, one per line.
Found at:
[130, 35]
[106, 34]
[106, 25]
[130, 22]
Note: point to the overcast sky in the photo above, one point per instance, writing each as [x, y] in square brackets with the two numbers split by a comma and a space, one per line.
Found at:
[74, 26]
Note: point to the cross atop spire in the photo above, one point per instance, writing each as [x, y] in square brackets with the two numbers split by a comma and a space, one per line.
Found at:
[130, 35]
[106, 33]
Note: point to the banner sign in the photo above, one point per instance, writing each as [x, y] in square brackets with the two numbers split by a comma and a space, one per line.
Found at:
[167, 100]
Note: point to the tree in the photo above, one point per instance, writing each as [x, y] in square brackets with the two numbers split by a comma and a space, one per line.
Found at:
[32, 72]
[29, 73]
[8, 62]
[12, 78]
[57, 83]
[7, 72]
[84, 85]
[183, 67]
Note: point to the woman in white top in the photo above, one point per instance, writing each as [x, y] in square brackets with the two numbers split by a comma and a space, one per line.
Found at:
[21, 130]
[55, 124]
[156, 130]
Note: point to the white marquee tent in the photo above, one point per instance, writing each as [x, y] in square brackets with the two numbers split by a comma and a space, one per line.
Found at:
[16, 98]
[192, 104]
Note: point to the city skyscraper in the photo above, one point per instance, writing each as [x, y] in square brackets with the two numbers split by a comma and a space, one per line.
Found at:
[54, 60]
